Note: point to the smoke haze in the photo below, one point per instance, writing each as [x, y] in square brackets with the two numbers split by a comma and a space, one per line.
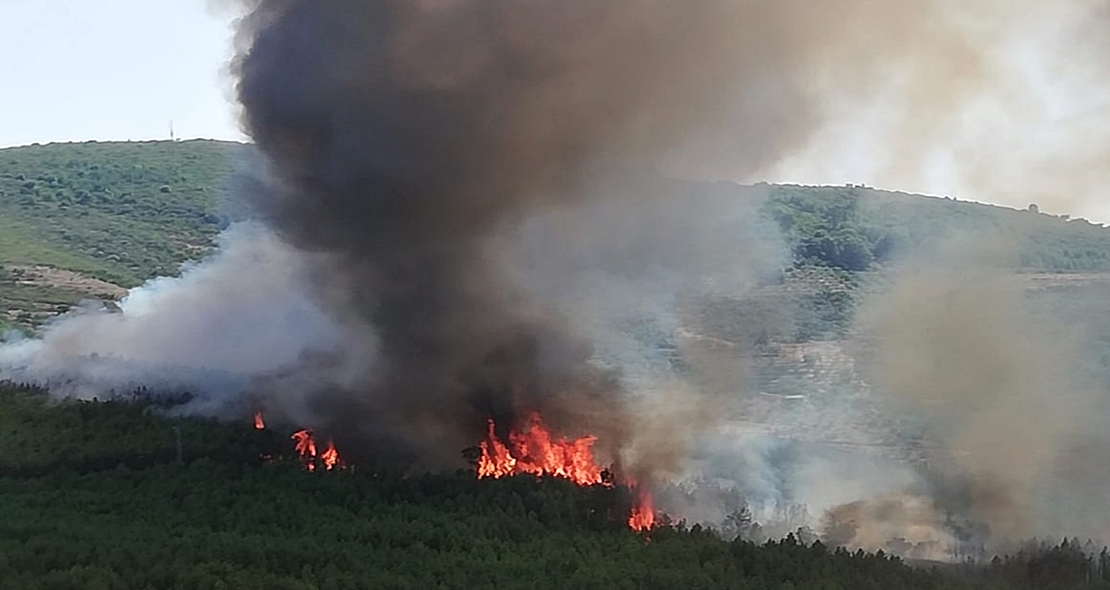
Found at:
[461, 215]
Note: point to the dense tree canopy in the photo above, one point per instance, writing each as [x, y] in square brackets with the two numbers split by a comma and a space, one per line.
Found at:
[94, 497]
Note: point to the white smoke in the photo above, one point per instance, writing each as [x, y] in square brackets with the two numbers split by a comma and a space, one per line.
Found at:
[240, 314]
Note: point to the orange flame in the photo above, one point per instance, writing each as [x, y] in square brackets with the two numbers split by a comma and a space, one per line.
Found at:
[330, 457]
[534, 451]
[306, 448]
[258, 423]
[643, 513]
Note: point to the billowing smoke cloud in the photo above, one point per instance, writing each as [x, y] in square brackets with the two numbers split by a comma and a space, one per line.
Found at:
[405, 136]
[1006, 399]
[243, 312]
[1010, 108]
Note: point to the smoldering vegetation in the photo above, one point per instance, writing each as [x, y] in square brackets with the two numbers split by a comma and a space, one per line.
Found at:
[1004, 385]
[959, 414]
[462, 212]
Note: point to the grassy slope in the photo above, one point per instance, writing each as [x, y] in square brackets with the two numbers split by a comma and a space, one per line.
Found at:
[126, 212]
[1030, 242]
[130, 211]
[848, 242]
[1040, 242]
[120, 212]
[123, 212]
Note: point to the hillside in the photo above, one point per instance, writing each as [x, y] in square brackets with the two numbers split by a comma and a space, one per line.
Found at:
[112, 214]
[854, 227]
[91, 219]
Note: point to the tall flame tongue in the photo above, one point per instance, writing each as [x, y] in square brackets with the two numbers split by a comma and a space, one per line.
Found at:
[330, 457]
[306, 448]
[643, 513]
[258, 423]
[535, 451]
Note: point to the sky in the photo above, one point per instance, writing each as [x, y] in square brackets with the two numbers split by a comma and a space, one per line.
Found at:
[77, 70]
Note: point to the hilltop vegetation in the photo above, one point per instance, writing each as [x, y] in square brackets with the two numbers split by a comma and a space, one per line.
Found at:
[118, 212]
[848, 242]
[129, 211]
[123, 212]
[855, 228]
[95, 496]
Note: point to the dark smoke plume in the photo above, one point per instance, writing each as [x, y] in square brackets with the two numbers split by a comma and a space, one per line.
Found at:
[403, 135]
[405, 138]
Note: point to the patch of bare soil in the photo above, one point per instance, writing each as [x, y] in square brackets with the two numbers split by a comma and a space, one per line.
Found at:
[46, 276]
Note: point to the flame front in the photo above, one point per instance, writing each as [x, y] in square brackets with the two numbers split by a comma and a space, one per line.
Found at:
[496, 461]
[330, 457]
[643, 512]
[258, 423]
[306, 448]
[534, 451]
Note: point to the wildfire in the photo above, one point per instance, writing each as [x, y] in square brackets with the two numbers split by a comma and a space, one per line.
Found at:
[305, 445]
[534, 451]
[306, 448]
[330, 457]
[643, 513]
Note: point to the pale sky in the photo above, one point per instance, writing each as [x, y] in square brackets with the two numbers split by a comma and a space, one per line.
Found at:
[74, 70]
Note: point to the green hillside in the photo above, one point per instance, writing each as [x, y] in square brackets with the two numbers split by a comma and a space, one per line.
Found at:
[854, 228]
[129, 211]
[123, 212]
[119, 212]
[850, 241]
